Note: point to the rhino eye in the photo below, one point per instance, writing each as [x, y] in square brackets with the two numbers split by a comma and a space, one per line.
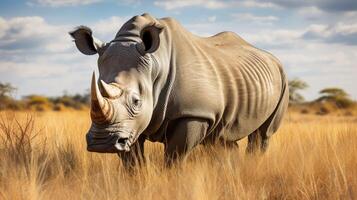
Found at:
[136, 101]
[134, 104]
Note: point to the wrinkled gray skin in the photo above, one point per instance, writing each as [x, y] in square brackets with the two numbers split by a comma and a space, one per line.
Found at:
[161, 83]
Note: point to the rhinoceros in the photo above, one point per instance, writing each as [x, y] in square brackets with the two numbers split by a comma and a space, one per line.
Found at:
[159, 82]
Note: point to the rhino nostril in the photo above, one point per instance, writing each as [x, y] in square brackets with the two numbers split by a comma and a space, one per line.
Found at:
[122, 140]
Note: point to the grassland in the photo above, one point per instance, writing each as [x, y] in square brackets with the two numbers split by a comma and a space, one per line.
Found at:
[44, 157]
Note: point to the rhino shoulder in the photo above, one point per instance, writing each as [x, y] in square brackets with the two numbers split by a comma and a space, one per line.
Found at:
[170, 22]
[226, 39]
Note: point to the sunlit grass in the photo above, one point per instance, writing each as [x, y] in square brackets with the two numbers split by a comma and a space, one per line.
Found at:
[311, 157]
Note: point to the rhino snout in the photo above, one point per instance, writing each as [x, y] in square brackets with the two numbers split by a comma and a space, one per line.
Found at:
[107, 143]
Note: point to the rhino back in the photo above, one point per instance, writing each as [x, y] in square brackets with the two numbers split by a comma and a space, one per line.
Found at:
[223, 79]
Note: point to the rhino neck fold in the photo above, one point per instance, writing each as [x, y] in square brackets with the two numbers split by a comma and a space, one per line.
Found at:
[164, 60]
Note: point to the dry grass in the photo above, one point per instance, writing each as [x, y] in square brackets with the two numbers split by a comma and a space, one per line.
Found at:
[311, 157]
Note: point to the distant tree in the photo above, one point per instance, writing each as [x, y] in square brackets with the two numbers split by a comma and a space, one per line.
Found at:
[6, 89]
[331, 93]
[294, 86]
[336, 95]
[6, 101]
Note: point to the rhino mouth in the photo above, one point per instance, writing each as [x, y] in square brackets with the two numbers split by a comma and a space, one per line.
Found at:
[112, 142]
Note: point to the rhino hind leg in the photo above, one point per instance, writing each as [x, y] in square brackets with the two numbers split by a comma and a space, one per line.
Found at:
[182, 136]
[254, 141]
[259, 139]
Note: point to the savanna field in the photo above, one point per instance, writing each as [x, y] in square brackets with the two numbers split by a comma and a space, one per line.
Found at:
[43, 156]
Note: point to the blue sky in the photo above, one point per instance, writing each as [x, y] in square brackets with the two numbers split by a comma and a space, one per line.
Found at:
[316, 40]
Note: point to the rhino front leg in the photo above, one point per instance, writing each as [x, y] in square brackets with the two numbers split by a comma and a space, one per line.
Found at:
[182, 136]
[135, 156]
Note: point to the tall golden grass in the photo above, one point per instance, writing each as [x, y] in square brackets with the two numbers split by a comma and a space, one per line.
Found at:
[44, 157]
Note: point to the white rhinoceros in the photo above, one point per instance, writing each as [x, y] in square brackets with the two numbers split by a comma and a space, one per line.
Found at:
[159, 82]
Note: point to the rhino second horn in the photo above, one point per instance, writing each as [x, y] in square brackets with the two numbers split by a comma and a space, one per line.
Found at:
[110, 90]
[101, 108]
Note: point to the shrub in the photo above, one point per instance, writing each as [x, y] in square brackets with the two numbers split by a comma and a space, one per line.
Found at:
[5, 102]
[323, 111]
[343, 102]
[16, 140]
[36, 100]
[58, 107]
[67, 101]
[348, 113]
[39, 108]
[304, 111]
[16, 105]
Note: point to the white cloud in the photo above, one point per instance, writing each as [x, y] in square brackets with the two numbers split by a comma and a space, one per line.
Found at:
[175, 4]
[212, 18]
[256, 4]
[273, 39]
[326, 5]
[107, 28]
[352, 15]
[319, 30]
[267, 36]
[32, 33]
[3, 27]
[130, 2]
[254, 18]
[311, 12]
[345, 29]
[59, 3]
[35, 34]
[63, 3]
[212, 4]
[321, 65]
[47, 73]
[33, 69]
[39, 57]
[337, 33]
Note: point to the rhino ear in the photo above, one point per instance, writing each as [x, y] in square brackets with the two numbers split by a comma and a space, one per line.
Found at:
[150, 37]
[85, 42]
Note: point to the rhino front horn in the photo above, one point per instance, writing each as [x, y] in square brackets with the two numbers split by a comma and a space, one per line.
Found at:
[101, 108]
[110, 90]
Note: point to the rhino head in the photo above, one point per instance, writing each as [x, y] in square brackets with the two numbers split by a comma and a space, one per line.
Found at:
[122, 98]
